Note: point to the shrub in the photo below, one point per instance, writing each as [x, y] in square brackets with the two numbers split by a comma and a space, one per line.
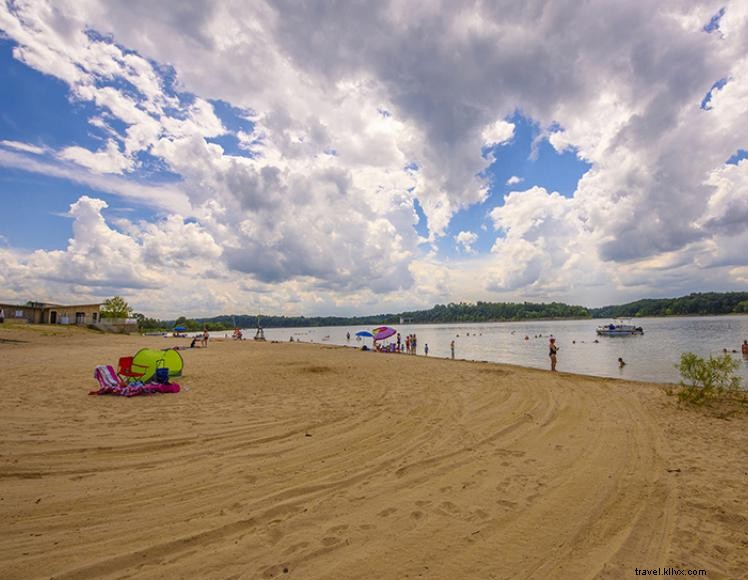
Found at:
[707, 380]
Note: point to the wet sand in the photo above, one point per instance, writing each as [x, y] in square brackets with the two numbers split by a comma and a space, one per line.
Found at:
[306, 461]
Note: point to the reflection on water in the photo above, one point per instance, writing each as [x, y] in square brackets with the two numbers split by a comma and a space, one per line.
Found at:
[650, 357]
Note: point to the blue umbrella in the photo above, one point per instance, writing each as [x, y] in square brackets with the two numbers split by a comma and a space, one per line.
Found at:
[179, 328]
[364, 333]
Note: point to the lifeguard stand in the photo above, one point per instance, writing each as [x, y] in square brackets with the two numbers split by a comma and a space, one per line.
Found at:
[260, 334]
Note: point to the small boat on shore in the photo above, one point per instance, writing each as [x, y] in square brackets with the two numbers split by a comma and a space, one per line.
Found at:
[619, 328]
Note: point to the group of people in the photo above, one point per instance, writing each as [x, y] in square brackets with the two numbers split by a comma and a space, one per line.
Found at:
[408, 346]
[411, 344]
[202, 339]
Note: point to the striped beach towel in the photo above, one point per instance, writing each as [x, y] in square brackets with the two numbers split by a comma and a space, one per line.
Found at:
[110, 384]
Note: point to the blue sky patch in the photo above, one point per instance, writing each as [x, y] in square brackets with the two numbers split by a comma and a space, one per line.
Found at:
[739, 155]
[35, 207]
[422, 227]
[713, 23]
[708, 97]
[533, 161]
[38, 111]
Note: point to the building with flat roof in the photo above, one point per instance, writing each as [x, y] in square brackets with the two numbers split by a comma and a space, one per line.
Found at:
[46, 313]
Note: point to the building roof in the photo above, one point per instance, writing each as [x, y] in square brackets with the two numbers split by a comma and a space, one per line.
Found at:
[45, 305]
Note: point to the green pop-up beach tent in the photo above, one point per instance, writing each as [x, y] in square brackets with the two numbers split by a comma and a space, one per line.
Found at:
[152, 359]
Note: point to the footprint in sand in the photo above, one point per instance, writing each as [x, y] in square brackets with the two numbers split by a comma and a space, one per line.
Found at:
[387, 512]
[480, 515]
[423, 502]
[275, 570]
[449, 507]
[337, 529]
[330, 541]
[416, 515]
[296, 547]
[506, 503]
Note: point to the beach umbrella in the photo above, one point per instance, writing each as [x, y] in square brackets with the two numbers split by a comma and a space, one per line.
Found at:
[365, 333]
[180, 328]
[384, 332]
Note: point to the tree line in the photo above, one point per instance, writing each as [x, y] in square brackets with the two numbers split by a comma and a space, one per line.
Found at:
[693, 304]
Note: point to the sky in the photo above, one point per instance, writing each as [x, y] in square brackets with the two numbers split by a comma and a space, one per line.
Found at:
[337, 158]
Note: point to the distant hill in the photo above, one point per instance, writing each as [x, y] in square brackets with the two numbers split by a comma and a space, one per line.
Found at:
[697, 303]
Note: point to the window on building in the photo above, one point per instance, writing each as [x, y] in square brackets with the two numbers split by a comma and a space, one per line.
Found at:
[94, 316]
[19, 313]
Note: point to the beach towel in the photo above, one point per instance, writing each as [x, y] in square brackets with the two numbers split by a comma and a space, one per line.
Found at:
[107, 377]
[110, 384]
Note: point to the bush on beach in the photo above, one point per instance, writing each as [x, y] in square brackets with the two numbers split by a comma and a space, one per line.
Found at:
[704, 381]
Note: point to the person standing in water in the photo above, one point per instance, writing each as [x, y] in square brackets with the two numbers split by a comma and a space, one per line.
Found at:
[452, 347]
[553, 349]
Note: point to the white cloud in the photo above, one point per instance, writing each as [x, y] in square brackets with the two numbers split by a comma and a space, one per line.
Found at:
[162, 196]
[514, 180]
[497, 133]
[25, 147]
[107, 160]
[466, 240]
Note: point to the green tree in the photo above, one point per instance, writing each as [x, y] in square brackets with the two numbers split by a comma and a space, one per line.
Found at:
[705, 380]
[116, 307]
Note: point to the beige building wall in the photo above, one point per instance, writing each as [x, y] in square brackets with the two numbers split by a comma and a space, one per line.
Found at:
[71, 314]
[44, 313]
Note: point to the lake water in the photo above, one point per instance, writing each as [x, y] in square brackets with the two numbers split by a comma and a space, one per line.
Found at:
[649, 357]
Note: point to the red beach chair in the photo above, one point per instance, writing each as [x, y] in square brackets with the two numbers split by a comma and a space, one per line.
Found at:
[128, 371]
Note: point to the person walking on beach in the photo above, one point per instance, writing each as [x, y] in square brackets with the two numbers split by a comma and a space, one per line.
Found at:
[553, 349]
[426, 349]
[206, 336]
[452, 348]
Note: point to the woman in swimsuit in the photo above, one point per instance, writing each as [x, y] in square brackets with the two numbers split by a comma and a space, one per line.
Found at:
[553, 350]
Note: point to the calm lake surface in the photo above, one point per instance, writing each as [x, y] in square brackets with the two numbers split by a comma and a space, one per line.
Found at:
[649, 357]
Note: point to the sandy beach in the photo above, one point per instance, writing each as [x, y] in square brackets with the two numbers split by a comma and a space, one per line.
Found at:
[307, 461]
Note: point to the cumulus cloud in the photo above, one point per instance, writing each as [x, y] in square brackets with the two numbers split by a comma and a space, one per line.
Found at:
[466, 240]
[514, 180]
[497, 133]
[107, 160]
